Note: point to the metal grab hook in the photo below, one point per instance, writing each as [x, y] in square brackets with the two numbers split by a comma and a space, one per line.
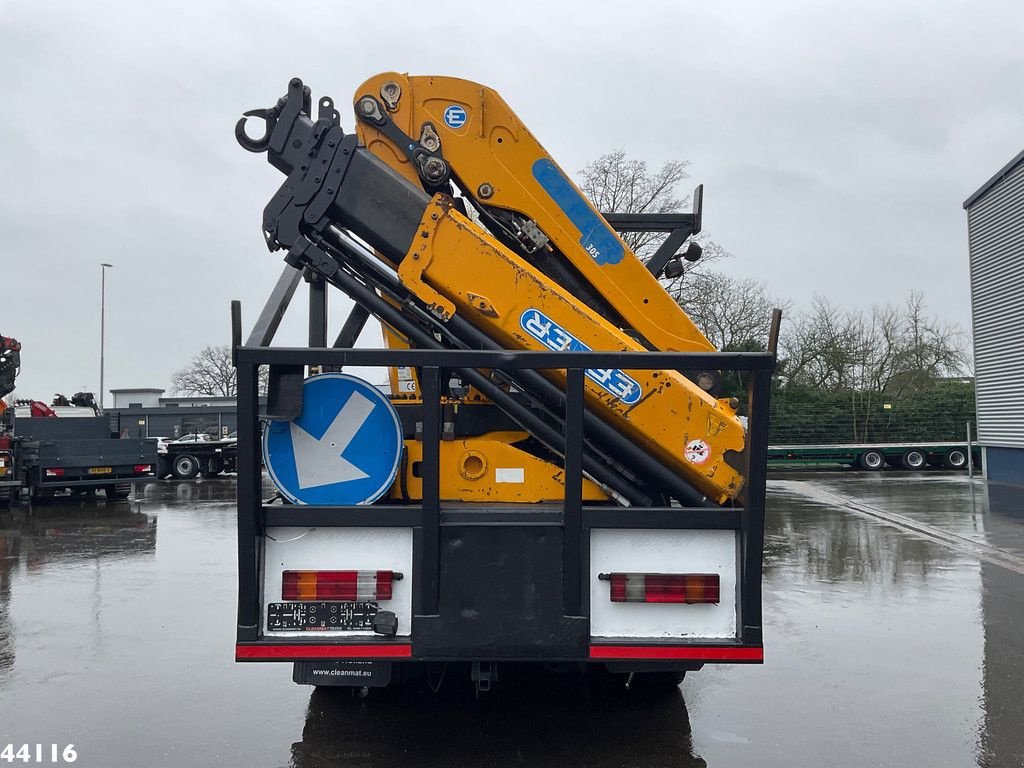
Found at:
[261, 144]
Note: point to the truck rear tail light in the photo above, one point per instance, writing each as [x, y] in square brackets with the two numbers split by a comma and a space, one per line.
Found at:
[142, 468]
[663, 587]
[338, 585]
[57, 472]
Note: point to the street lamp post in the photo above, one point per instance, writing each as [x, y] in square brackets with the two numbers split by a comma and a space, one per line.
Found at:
[103, 308]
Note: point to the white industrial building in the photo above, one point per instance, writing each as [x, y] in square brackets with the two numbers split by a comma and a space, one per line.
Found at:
[995, 229]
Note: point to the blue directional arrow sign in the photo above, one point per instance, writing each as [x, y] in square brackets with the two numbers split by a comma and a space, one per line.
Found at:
[344, 448]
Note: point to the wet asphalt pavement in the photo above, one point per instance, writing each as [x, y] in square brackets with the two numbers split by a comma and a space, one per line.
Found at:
[893, 637]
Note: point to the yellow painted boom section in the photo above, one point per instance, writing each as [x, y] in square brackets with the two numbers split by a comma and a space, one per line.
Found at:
[486, 469]
[520, 308]
[491, 146]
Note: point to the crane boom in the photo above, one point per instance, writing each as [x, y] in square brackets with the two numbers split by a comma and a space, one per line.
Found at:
[468, 287]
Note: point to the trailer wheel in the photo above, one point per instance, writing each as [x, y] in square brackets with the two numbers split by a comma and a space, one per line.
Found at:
[955, 458]
[913, 459]
[185, 467]
[871, 460]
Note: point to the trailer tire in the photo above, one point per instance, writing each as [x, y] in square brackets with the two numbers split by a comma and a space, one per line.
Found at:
[914, 459]
[185, 467]
[955, 458]
[871, 460]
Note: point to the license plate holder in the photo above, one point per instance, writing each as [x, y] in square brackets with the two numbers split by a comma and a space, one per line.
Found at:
[100, 470]
[321, 616]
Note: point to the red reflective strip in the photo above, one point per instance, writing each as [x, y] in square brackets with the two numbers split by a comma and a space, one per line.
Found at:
[685, 652]
[322, 652]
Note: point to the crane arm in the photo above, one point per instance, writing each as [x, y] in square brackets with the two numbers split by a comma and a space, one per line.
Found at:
[436, 130]
[439, 278]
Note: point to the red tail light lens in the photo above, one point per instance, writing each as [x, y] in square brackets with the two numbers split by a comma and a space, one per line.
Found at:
[142, 468]
[663, 587]
[57, 472]
[350, 586]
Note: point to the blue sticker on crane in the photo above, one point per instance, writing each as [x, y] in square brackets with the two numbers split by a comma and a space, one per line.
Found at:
[455, 116]
[597, 238]
[554, 337]
[343, 448]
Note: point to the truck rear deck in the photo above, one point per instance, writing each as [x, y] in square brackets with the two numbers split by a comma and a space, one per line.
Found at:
[500, 582]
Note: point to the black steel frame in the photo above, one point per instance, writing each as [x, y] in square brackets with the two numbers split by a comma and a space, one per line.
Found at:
[427, 517]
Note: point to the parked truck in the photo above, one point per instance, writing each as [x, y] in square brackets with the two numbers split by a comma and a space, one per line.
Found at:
[552, 476]
[64, 446]
[56, 454]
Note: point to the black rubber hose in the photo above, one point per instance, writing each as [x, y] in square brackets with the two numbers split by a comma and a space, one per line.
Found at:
[631, 454]
[635, 458]
[536, 426]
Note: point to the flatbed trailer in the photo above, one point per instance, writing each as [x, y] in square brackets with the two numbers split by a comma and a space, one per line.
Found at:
[185, 461]
[876, 456]
[50, 455]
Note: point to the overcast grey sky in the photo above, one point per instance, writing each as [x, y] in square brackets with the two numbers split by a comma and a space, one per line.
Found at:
[836, 142]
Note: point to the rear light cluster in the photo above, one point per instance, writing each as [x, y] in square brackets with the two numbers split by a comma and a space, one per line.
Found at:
[56, 472]
[350, 586]
[143, 468]
[663, 587]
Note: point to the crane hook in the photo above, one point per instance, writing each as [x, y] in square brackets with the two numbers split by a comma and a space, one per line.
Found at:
[269, 117]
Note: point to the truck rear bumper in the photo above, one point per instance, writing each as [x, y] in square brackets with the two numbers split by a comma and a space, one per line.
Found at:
[731, 653]
[505, 589]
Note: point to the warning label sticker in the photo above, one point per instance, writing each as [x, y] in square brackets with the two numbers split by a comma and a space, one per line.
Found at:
[697, 451]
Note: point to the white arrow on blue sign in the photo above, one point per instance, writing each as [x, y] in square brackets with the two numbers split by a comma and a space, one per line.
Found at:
[344, 448]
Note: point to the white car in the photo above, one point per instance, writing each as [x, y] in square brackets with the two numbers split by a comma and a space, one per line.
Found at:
[193, 438]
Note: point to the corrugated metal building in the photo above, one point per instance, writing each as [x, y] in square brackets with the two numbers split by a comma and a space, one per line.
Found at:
[995, 232]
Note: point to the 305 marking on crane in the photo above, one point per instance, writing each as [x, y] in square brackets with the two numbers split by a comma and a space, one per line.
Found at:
[596, 237]
[554, 337]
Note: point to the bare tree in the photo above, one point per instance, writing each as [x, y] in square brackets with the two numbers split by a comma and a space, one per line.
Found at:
[617, 183]
[210, 373]
[888, 350]
[734, 313]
